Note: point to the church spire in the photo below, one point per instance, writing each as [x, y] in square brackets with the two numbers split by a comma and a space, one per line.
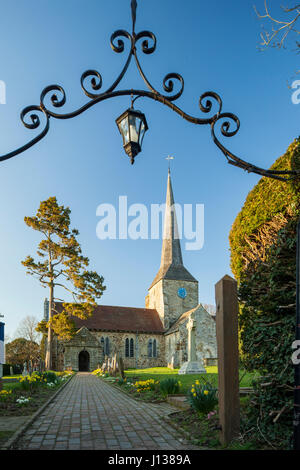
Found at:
[171, 249]
[171, 264]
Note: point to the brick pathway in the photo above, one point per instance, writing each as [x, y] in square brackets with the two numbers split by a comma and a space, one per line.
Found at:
[90, 414]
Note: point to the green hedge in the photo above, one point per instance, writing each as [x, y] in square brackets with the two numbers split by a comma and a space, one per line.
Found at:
[263, 249]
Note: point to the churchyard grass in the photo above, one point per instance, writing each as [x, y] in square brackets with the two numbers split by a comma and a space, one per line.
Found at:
[7, 377]
[160, 373]
[152, 384]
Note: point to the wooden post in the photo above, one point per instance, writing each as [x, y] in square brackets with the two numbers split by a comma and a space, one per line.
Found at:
[228, 358]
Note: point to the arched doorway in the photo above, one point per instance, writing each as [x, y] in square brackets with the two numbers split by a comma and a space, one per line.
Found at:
[84, 361]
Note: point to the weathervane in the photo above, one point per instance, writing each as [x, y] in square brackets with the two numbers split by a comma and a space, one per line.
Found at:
[169, 158]
[132, 123]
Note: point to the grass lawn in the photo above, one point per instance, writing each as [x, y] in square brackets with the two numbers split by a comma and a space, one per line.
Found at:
[5, 377]
[160, 373]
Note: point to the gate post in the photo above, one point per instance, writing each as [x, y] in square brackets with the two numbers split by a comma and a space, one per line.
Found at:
[228, 358]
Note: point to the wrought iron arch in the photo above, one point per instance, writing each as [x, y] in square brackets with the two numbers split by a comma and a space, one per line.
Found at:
[226, 123]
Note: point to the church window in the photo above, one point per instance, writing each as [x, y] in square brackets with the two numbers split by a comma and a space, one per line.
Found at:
[131, 348]
[154, 348]
[106, 349]
[150, 348]
[127, 347]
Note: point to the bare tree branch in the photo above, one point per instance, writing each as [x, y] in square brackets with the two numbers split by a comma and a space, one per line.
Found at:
[280, 29]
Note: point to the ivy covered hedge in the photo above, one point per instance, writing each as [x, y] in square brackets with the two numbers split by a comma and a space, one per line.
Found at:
[263, 260]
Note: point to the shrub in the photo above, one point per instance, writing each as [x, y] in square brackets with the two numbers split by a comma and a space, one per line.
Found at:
[263, 247]
[49, 376]
[121, 381]
[169, 386]
[16, 369]
[202, 398]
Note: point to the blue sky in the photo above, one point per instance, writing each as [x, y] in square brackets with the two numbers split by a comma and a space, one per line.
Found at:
[81, 161]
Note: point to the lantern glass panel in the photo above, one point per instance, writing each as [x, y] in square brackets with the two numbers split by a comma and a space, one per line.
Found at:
[142, 132]
[134, 125]
[124, 130]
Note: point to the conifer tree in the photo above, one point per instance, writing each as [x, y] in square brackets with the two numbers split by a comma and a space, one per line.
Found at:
[61, 264]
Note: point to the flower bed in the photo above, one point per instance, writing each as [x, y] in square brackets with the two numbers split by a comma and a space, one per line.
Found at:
[27, 394]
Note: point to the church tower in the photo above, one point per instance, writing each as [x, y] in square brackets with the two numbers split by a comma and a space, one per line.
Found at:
[174, 290]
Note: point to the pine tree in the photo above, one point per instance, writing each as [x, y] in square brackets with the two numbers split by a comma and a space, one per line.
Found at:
[61, 264]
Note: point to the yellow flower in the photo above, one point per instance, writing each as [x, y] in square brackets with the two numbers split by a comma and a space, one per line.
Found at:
[195, 394]
[197, 382]
[206, 392]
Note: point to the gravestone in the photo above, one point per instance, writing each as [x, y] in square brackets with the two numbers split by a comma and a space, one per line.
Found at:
[11, 370]
[25, 371]
[121, 367]
[193, 365]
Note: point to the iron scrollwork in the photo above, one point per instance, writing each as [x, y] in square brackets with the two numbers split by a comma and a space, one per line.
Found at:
[172, 84]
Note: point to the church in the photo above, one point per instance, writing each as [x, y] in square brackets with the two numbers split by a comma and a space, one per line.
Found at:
[173, 329]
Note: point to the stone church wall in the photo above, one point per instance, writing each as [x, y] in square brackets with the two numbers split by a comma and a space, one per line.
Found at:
[205, 339]
[66, 354]
[140, 359]
[71, 357]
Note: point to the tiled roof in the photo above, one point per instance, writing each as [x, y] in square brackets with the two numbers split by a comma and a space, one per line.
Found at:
[111, 318]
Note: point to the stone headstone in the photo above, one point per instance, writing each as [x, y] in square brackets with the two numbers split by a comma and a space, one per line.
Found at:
[25, 371]
[121, 367]
[11, 370]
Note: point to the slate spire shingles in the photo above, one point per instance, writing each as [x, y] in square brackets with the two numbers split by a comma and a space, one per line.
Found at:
[171, 264]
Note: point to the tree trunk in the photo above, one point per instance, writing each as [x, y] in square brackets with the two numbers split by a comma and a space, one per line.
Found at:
[48, 358]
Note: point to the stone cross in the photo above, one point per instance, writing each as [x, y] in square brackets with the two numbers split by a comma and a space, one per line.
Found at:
[191, 340]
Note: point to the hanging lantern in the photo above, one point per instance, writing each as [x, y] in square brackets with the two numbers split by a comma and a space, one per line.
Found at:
[132, 125]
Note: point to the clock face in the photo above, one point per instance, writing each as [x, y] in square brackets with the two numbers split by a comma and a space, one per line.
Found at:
[182, 292]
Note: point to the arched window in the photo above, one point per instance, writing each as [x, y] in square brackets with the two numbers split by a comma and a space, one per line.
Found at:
[102, 344]
[150, 348]
[106, 346]
[131, 348]
[154, 348]
[126, 347]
